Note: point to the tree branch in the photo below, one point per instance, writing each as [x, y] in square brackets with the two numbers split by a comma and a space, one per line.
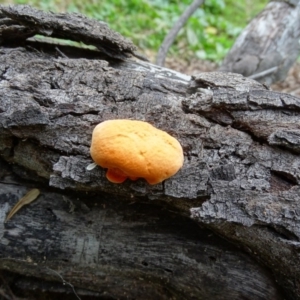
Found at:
[170, 37]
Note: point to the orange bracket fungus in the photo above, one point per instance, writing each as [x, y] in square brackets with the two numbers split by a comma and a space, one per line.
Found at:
[135, 149]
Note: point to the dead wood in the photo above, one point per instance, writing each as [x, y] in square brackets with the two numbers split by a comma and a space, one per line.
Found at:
[268, 47]
[240, 176]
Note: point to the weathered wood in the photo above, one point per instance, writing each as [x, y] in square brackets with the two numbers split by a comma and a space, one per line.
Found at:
[22, 22]
[268, 47]
[124, 247]
[240, 177]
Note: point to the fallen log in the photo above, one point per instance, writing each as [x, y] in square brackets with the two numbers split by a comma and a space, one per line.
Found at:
[268, 47]
[226, 226]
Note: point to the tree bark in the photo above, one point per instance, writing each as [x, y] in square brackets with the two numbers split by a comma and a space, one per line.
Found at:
[268, 47]
[240, 179]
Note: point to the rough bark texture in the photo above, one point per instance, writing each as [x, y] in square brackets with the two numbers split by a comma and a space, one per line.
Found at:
[240, 177]
[268, 46]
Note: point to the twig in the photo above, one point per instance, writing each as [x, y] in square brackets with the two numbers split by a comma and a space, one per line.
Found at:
[56, 273]
[61, 53]
[263, 73]
[65, 282]
[169, 39]
[4, 295]
[8, 289]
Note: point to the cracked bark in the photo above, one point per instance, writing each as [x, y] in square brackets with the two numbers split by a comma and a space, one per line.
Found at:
[226, 226]
[268, 47]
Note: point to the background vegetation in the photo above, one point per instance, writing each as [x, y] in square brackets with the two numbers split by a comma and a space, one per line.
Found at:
[209, 33]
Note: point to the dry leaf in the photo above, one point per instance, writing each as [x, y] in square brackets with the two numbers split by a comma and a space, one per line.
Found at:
[28, 198]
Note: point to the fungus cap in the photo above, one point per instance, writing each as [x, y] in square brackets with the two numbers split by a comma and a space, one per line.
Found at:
[135, 149]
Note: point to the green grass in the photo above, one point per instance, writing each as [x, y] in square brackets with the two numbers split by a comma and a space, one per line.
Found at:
[208, 34]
